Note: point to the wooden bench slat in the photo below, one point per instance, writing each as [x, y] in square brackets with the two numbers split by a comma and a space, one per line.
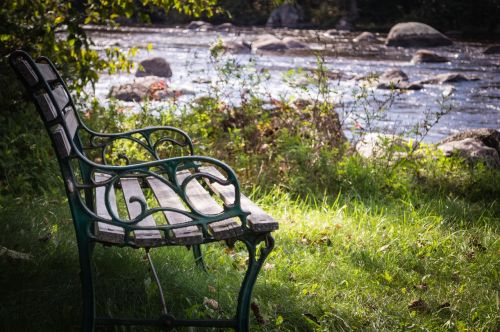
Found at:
[205, 203]
[167, 197]
[62, 144]
[258, 220]
[49, 110]
[46, 71]
[72, 122]
[26, 71]
[106, 232]
[131, 187]
[29, 74]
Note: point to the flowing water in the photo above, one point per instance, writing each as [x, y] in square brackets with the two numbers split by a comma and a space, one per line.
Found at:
[475, 104]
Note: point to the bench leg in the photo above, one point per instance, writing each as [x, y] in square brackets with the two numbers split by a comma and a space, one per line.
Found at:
[88, 318]
[254, 265]
[198, 257]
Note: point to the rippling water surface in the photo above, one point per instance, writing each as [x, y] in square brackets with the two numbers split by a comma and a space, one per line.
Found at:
[475, 104]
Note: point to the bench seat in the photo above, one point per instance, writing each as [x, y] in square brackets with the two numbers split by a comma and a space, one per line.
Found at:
[206, 199]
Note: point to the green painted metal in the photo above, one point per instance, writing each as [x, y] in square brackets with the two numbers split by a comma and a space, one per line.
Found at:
[80, 193]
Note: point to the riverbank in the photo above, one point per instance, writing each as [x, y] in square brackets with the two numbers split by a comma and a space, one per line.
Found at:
[474, 104]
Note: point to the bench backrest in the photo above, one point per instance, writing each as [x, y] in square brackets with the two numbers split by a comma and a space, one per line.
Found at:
[52, 99]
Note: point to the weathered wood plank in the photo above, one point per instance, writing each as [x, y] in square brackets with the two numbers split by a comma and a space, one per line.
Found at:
[46, 71]
[48, 108]
[106, 232]
[49, 112]
[26, 71]
[131, 188]
[29, 74]
[167, 197]
[258, 220]
[205, 203]
[62, 144]
[72, 122]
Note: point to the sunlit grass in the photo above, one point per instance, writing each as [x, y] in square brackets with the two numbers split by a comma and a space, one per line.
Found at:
[343, 263]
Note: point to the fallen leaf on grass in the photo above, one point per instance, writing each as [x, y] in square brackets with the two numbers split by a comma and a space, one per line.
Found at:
[423, 286]
[211, 303]
[470, 255]
[268, 266]
[14, 254]
[418, 305]
[258, 316]
[212, 289]
[384, 248]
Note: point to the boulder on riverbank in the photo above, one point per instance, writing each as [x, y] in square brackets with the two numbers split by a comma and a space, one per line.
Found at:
[154, 67]
[415, 34]
[426, 56]
[149, 87]
[396, 79]
[286, 16]
[474, 145]
[448, 78]
[377, 145]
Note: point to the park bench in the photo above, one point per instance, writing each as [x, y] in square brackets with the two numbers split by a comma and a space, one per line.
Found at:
[165, 197]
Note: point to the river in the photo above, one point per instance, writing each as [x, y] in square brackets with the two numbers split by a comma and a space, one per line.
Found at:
[474, 104]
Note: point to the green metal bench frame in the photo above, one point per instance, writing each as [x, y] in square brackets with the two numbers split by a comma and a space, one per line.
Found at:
[50, 94]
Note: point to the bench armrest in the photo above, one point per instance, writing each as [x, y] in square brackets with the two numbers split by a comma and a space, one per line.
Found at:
[166, 171]
[150, 139]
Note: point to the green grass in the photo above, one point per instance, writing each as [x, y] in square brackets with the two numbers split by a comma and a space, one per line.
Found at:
[348, 262]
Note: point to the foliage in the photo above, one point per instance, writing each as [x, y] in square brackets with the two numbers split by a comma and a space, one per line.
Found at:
[55, 29]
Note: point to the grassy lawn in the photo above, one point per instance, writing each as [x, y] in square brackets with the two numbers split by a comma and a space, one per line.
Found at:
[348, 262]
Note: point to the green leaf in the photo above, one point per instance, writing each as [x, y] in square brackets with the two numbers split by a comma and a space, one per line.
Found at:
[58, 20]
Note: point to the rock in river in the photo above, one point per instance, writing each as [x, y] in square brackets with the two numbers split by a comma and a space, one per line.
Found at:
[154, 67]
[268, 43]
[292, 43]
[139, 89]
[366, 37]
[200, 26]
[396, 79]
[426, 56]
[415, 34]
[234, 46]
[448, 78]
